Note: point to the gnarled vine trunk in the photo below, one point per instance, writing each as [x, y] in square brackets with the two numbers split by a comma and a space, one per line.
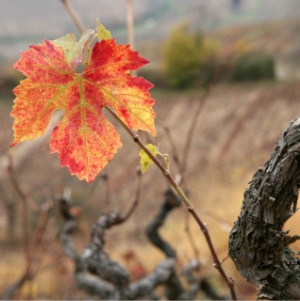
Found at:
[258, 244]
[99, 276]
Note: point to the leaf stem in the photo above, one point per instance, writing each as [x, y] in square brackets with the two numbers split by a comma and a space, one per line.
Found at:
[217, 263]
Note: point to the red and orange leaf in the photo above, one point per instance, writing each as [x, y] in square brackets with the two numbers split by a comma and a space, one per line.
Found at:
[84, 139]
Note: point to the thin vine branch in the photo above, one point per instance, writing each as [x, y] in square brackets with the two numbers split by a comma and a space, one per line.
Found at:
[173, 146]
[217, 263]
[24, 203]
[181, 164]
[36, 240]
[137, 195]
[191, 131]
[195, 118]
[190, 237]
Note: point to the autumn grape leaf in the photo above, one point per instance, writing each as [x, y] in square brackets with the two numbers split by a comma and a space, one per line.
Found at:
[145, 160]
[84, 139]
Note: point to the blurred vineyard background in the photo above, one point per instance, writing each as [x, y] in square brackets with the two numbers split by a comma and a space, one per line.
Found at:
[245, 53]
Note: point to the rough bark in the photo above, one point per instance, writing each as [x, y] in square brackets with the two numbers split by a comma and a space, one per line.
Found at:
[258, 245]
[171, 201]
[99, 276]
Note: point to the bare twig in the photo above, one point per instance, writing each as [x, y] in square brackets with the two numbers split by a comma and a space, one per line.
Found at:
[237, 128]
[42, 224]
[197, 284]
[217, 263]
[137, 196]
[186, 216]
[130, 28]
[190, 236]
[24, 202]
[105, 178]
[9, 293]
[92, 188]
[73, 15]
[189, 137]
[191, 130]
[196, 116]
[29, 272]
[226, 225]
[173, 146]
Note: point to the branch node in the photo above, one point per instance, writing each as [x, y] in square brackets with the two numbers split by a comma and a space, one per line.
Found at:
[216, 265]
[167, 173]
[204, 229]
